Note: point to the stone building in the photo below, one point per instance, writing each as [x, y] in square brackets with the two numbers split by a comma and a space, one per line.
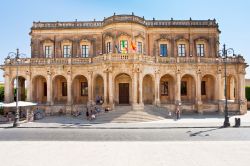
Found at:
[127, 60]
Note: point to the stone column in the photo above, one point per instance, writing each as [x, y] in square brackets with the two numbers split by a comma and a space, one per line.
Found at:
[7, 88]
[49, 90]
[198, 93]
[157, 88]
[178, 88]
[105, 81]
[135, 90]
[220, 93]
[29, 88]
[110, 80]
[241, 93]
[69, 89]
[141, 104]
[90, 81]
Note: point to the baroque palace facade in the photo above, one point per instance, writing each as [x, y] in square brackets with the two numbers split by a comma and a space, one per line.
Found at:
[126, 59]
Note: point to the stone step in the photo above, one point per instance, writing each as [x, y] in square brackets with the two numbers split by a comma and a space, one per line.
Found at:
[125, 114]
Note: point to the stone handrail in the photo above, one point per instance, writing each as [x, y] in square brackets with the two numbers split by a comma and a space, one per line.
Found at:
[133, 57]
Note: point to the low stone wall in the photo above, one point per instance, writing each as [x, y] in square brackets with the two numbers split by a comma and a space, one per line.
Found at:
[248, 105]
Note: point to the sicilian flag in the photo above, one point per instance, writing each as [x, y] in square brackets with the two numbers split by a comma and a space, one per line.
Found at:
[133, 46]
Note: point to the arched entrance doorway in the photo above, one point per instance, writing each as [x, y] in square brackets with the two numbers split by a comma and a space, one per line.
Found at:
[148, 89]
[39, 89]
[22, 93]
[123, 89]
[167, 89]
[80, 90]
[188, 89]
[98, 89]
[207, 88]
[59, 89]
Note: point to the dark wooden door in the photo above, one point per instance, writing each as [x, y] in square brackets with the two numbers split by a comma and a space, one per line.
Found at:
[123, 93]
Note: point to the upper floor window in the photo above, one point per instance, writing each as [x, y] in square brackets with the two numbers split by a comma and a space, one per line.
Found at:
[124, 46]
[108, 47]
[139, 47]
[48, 51]
[181, 50]
[85, 51]
[66, 51]
[200, 49]
[163, 50]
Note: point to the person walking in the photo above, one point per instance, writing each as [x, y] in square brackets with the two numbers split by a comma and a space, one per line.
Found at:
[178, 113]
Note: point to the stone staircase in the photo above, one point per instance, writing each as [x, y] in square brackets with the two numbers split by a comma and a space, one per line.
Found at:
[125, 114]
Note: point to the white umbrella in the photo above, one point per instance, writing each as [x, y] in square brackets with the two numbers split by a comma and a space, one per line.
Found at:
[20, 104]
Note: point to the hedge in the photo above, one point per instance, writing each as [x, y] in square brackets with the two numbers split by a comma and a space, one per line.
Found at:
[248, 93]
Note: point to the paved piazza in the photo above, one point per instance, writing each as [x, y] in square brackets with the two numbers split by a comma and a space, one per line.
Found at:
[121, 153]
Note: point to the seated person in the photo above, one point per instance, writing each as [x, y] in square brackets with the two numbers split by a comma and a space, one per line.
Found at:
[97, 100]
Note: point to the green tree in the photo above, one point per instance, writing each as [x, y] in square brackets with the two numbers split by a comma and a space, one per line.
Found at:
[1, 93]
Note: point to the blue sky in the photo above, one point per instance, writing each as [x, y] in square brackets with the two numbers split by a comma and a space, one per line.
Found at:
[17, 17]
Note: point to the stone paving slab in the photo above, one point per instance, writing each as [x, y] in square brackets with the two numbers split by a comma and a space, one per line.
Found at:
[202, 153]
[202, 121]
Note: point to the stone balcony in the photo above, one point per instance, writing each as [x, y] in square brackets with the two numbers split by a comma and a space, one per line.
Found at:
[132, 58]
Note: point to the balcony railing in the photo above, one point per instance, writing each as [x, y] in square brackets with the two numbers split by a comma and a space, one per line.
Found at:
[121, 58]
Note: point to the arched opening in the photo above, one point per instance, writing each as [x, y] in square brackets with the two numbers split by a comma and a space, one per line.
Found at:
[39, 89]
[167, 89]
[60, 89]
[98, 89]
[207, 88]
[148, 89]
[188, 89]
[123, 89]
[80, 90]
[231, 87]
[22, 89]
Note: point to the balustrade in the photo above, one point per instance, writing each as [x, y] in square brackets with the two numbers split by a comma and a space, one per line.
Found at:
[121, 57]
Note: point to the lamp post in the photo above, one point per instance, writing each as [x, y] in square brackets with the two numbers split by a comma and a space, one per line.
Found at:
[225, 54]
[16, 59]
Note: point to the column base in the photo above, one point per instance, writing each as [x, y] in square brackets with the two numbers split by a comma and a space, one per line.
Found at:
[138, 107]
[199, 107]
[68, 109]
[157, 102]
[243, 106]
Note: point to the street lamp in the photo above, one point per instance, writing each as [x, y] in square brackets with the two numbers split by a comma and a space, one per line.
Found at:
[225, 53]
[17, 60]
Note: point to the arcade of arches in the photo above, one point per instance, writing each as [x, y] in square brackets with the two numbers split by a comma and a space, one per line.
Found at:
[135, 89]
